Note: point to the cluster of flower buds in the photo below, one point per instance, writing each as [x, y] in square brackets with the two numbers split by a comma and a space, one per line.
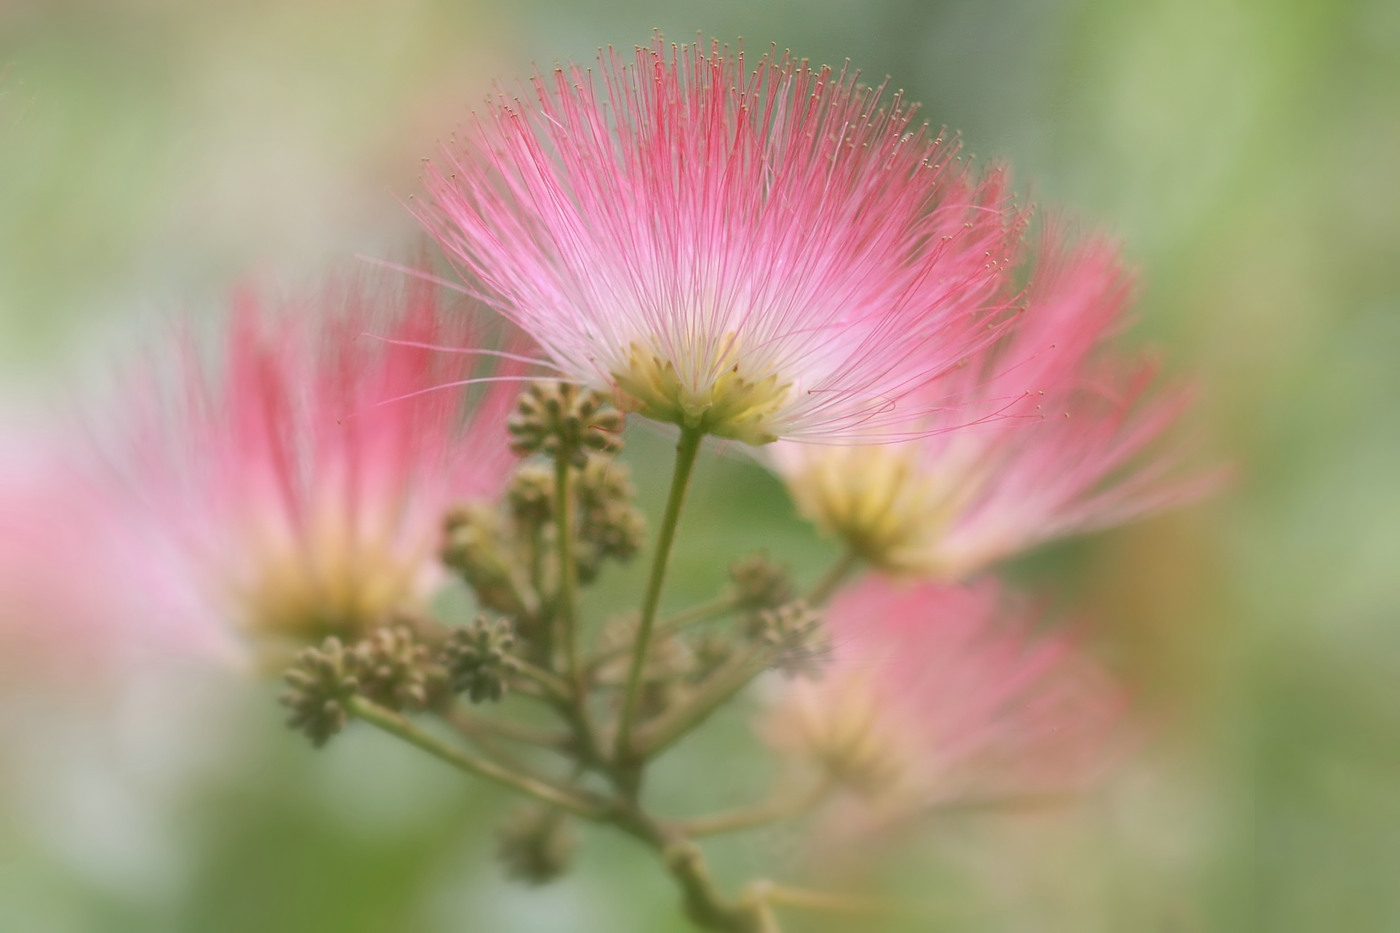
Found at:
[480, 659]
[397, 669]
[757, 583]
[479, 546]
[507, 555]
[320, 681]
[561, 420]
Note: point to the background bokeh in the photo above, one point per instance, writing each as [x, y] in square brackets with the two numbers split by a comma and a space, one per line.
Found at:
[153, 152]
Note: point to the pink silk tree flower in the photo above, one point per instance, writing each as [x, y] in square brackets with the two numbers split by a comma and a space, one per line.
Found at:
[749, 250]
[938, 696]
[291, 485]
[1045, 433]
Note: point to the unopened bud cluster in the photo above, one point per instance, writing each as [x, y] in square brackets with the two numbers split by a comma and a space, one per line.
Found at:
[479, 545]
[758, 583]
[319, 681]
[392, 667]
[479, 659]
[396, 670]
[559, 419]
[799, 643]
[610, 526]
[508, 553]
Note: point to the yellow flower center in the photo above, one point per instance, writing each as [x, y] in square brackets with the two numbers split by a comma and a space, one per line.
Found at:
[298, 589]
[881, 500]
[722, 400]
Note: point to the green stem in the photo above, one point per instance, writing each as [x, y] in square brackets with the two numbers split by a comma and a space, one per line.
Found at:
[687, 450]
[697, 614]
[715, 691]
[573, 703]
[702, 900]
[481, 729]
[553, 687]
[542, 646]
[566, 603]
[585, 736]
[822, 590]
[580, 803]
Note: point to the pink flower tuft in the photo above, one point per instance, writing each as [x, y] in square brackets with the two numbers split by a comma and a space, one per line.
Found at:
[1043, 434]
[753, 250]
[292, 488]
[934, 698]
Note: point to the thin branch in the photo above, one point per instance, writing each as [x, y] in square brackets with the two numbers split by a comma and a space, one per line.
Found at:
[687, 451]
[703, 902]
[719, 687]
[581, 803]
[474, 726]
[566, 599]
[677, 623]
[703, 612]
[554, 687]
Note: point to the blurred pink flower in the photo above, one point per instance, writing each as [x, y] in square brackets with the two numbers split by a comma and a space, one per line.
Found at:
[939, 696]
[754, 250]
[82, 580]
[291, 487]
[1043, 434]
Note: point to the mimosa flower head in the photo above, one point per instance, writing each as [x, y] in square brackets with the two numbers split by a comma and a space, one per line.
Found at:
[328, 451]
[292, 483]
[937, 694]
[751, 250]
[1045, 433]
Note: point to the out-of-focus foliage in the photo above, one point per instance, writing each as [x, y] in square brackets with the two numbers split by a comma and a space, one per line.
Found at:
[151, 152]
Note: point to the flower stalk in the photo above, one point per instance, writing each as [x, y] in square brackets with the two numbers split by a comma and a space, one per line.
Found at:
[578, 802]
[566, 603]
[720, 687]
[687, 451]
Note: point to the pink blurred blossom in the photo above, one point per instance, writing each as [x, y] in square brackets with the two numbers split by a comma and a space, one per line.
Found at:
[756, 250]
[83, 577]
[1048, 432]
[945, 696]
[290, 484]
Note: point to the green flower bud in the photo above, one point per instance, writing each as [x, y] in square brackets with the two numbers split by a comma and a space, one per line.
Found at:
[479, 659]
[559, 419]
[758, 583]
[319, 681]
[396, 671]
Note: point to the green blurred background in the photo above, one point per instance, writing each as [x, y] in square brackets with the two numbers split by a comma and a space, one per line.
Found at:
[153, 152]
